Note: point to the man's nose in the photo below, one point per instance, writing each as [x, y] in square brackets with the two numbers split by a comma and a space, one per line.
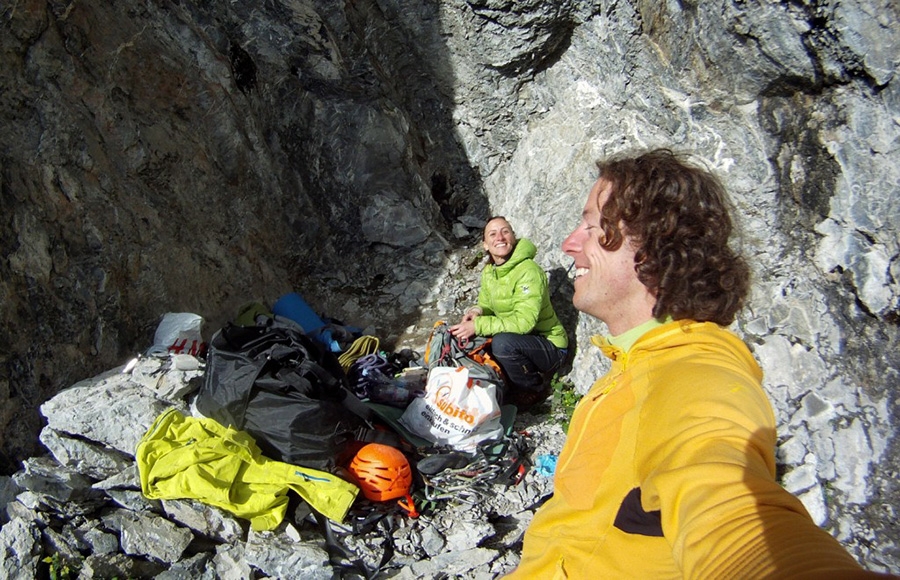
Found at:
[572, 244]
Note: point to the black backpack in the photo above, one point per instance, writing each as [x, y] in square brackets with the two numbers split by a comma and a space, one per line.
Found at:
[288, 393]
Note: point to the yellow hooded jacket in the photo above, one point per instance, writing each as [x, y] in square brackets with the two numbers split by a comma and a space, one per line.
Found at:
[668, 471]
[187, 458]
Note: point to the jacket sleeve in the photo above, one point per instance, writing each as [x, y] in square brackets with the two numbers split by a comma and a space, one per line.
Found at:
[527, 291]
[709, 470]
[484, 296]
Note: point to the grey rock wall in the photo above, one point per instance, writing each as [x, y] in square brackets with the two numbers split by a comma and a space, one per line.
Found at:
[801, 124]
[170, 156]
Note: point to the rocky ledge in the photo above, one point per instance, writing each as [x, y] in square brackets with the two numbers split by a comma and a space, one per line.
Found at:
[81, 504]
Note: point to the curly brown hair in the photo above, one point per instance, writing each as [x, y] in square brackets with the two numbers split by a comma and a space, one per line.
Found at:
[677, 217]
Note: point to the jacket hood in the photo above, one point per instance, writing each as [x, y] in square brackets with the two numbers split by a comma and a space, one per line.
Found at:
[706, 336]
[524, 250]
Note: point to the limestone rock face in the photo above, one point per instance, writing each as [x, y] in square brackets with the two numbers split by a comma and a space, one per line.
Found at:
[190, 157]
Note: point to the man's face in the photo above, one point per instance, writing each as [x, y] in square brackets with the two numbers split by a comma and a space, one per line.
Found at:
[606, 284]
[499, 240]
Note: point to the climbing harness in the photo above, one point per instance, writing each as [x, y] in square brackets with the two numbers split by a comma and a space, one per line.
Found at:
[367, 371]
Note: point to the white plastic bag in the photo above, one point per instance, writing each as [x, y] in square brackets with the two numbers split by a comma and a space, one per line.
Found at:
[455, 411]
[178, 333]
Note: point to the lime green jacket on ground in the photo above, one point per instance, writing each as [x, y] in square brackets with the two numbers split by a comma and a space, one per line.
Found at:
[187, 458]
[668, 471]
[514, 297]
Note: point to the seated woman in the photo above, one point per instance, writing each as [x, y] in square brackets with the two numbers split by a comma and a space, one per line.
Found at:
[528, 340]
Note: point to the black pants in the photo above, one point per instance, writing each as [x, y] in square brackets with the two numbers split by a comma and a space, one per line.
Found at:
[527, 359]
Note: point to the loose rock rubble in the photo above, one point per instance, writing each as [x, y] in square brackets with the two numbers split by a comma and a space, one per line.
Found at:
[81, 504]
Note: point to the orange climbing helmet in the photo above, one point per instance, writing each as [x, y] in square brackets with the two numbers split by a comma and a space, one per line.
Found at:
[382, 472]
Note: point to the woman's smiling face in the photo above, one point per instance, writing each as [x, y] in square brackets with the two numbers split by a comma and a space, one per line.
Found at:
[499, 240]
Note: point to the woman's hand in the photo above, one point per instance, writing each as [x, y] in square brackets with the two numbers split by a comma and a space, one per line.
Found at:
[464, 330]
[471, 313]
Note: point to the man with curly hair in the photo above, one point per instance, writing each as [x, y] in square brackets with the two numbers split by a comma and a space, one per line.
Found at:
[668, 470]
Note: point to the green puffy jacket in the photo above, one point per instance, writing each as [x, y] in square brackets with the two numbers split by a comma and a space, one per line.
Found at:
[187, 458]
[515, 297]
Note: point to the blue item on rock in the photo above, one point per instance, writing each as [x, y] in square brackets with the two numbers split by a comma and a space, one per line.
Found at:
[545, 465]
[294, 307]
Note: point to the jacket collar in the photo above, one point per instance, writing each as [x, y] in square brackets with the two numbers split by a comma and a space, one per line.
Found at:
[524, 250]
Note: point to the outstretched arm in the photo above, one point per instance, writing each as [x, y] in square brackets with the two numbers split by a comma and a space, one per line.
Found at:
[711, 475]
